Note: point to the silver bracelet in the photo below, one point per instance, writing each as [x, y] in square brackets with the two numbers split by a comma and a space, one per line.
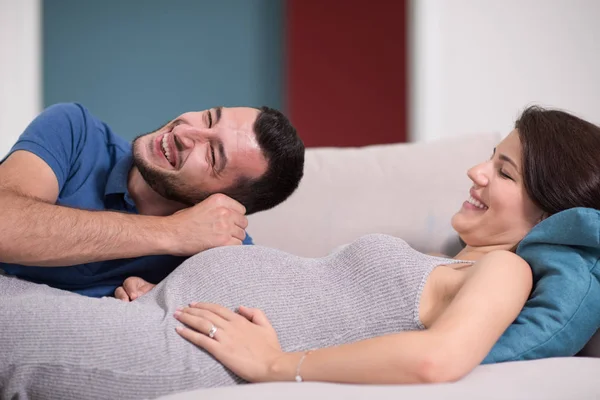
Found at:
[298, 376]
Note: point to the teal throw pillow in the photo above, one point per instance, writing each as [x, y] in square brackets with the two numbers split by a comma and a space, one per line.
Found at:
[563, 310]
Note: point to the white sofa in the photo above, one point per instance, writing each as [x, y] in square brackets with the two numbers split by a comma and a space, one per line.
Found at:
[410, 191]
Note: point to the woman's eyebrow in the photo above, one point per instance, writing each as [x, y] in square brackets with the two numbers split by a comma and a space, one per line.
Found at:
[506, 158]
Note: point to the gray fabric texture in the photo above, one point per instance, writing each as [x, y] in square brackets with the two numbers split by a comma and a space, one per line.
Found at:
[59, 345]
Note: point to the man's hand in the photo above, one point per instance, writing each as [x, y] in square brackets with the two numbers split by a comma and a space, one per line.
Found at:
[217, 221]
[133, 287]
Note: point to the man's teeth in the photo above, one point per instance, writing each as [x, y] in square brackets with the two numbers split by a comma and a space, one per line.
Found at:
[476, 203]
[165, 148]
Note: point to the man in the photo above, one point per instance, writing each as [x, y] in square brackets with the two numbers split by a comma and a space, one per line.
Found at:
[82, 209]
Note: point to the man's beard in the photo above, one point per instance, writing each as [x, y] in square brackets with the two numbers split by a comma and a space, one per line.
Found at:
[168, 185]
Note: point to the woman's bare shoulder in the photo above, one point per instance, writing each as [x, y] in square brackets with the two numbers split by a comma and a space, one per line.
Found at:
[505, 266]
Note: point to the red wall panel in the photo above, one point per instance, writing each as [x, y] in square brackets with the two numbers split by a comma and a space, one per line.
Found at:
[346, 71]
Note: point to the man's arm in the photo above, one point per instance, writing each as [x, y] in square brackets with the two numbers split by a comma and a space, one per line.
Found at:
[37, 232]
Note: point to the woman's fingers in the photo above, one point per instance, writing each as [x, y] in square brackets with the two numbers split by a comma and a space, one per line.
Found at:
[246, 343]
[200, 324]
[199, 339]
[207, 315]
[221, 311]
[214, 312]
[255, 315]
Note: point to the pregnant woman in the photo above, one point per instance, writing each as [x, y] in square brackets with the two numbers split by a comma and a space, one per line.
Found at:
[374, 311]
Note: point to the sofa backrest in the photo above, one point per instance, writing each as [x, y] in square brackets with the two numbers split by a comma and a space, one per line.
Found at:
[409, 190]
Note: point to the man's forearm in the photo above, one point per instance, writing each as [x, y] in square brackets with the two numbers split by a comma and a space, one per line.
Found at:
[41, 234]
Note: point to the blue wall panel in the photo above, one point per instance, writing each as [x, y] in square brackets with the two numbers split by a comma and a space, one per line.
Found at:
[137, 64]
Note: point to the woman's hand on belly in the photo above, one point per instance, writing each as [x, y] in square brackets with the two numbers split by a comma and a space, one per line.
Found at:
[245, 342]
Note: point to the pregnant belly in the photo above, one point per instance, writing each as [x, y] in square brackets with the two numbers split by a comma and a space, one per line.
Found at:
[310, 302]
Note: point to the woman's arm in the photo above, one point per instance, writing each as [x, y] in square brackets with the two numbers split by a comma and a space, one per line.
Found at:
[455, 344]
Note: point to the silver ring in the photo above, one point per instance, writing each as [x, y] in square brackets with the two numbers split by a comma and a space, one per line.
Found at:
[211, 333]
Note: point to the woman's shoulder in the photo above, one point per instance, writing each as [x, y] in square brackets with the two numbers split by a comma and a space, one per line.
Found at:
[507, 256]
[508, 263]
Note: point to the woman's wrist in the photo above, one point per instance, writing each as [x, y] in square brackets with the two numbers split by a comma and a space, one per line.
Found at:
[284, 367]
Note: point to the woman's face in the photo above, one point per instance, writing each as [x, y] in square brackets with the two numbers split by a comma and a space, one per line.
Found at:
[498, 211]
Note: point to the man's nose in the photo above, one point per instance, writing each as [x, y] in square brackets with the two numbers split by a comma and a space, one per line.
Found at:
[189, 136]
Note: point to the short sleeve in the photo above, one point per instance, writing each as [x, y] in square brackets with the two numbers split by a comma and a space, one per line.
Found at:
[248, 240]
[56, 136]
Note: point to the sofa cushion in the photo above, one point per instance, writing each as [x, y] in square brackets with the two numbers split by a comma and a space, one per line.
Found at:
[572, 378]
[563, 310]
[407, 190]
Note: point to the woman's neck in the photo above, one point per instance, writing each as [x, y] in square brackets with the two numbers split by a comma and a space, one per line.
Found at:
[474, 253]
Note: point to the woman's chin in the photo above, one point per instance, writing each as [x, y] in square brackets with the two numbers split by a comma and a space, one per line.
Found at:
[459, 221]
[464, 228]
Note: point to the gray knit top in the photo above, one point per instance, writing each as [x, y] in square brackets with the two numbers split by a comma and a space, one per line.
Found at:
[59, 345]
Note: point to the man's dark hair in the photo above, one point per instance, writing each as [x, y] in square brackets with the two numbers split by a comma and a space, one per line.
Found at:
[284, 151]
[561, 162]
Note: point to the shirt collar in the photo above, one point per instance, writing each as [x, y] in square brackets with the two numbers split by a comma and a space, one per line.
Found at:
[119, 178]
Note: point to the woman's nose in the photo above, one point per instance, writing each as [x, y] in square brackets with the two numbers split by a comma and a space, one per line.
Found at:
[478, 174]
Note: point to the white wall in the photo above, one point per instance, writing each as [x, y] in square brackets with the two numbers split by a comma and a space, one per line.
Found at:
[474, 63]
[477, 63]
[20, 68]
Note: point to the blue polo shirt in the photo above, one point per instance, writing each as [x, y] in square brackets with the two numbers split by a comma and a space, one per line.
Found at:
[92, 165]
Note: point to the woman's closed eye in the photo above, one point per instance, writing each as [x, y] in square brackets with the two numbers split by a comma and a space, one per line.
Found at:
[504, 174]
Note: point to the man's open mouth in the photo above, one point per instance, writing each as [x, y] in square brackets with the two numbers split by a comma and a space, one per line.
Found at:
[164, 146]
